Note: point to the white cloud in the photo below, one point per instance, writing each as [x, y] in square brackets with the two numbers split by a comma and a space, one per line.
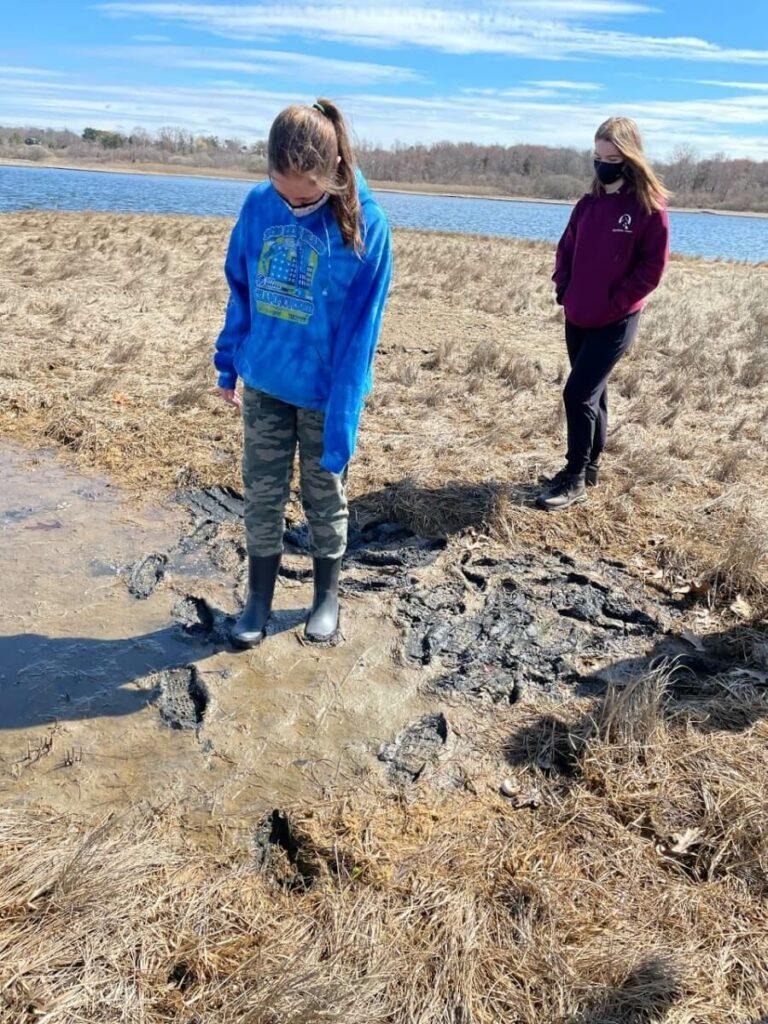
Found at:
[561, 85]
[711, 126]
[573, 8]
[513, 93]
[511, 28]
[535, 90]
[749, 86]
[301, 66]
[35, 72]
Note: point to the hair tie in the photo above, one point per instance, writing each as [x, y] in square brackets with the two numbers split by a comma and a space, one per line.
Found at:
[320, 107]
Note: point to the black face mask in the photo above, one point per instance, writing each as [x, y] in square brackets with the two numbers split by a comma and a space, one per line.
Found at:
[304, 206]
[608, 173]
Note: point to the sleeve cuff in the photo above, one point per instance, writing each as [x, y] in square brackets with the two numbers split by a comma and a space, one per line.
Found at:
[227, 381]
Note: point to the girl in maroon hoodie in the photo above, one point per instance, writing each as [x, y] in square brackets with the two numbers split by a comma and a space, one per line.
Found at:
[611, 256]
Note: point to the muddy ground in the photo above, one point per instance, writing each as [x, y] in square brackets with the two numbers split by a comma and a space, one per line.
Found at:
[453, 815]
[119, 685]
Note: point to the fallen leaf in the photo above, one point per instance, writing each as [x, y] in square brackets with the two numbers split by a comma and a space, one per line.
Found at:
[527, 798]
[683, 841]
[692, 639]
[741, 608]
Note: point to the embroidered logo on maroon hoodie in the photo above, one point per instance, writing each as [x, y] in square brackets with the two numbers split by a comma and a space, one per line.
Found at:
[612, 255]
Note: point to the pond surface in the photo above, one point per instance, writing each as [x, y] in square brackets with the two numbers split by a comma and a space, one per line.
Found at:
[693, 234]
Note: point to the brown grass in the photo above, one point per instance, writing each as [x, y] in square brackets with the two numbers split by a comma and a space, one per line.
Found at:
[631, 884]
[109, 322]
[632, 891]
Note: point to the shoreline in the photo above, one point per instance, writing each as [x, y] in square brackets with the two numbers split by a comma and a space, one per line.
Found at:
[378, 186]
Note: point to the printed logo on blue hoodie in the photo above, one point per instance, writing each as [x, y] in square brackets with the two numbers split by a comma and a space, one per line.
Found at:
[305, 310]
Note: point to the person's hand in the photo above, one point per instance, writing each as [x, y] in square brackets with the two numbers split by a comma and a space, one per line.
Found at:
[230, 396]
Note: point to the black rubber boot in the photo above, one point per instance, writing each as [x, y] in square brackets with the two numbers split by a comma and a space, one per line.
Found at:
[570, 491]
[251, 627]
[592, 475]
[323, 623]
[553, 482]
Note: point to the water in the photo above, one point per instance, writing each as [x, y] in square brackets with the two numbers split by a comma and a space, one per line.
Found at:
[693, 234]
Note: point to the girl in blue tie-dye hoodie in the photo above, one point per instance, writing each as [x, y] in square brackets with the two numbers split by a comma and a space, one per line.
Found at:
[309, 267]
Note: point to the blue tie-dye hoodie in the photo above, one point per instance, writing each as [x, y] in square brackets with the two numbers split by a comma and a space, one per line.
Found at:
[305, 310]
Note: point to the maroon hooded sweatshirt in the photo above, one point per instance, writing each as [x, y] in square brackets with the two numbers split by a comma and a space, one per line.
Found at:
[611, 256]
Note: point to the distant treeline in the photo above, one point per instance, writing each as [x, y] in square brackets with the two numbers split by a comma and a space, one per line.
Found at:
[173, 146]
[543, 172]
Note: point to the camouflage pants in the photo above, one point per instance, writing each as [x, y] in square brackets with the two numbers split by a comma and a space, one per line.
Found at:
[272, 429]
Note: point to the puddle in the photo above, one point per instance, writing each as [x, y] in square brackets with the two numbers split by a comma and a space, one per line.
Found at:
[117, 685]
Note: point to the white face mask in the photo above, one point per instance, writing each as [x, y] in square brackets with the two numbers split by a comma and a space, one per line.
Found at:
[304, 211]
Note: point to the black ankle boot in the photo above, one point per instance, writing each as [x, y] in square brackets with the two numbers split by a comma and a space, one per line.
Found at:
[570, 491]
[251, 627]
[553, 482]
[592, 475]
[323, 622]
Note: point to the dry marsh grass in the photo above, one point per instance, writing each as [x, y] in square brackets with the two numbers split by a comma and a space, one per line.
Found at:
[109, 322]
[629, 887]
[630, 884]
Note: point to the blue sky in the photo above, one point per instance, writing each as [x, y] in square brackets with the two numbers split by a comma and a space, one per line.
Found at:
[491, 71]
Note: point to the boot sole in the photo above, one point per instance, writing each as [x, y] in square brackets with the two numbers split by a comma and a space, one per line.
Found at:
[561, 508]
[244, 644]
[324, 641]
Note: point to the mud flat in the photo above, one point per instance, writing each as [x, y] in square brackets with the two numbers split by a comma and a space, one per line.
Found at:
[118, 685]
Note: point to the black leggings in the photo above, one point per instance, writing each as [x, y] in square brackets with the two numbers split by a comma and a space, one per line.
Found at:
[593, 352]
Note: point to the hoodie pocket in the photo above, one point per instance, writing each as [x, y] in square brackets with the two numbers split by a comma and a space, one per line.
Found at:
[588, 306]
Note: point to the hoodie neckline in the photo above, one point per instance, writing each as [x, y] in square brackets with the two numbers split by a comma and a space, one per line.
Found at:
[319, 205]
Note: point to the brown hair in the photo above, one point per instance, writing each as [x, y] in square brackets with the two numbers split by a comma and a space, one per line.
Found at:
[310, 140]
[625, 136]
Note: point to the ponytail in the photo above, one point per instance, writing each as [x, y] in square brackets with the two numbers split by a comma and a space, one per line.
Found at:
[346, 202]
[316, 141]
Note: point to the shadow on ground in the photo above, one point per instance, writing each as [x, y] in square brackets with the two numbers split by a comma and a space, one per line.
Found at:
[46, 679]
[644, 997]
[446, 510]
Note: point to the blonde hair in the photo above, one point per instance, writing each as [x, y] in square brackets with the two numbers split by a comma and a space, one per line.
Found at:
[625, 136]
[310, 140]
